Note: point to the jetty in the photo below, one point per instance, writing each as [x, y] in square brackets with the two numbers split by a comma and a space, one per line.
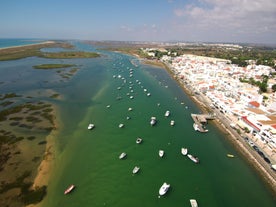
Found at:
[200, 120]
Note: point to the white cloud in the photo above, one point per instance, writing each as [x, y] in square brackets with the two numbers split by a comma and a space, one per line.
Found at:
[235, 16]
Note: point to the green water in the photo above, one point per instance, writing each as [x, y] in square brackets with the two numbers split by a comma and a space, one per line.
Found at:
[89, 159]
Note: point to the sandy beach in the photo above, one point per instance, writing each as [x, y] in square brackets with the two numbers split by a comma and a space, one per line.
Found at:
[40, 43]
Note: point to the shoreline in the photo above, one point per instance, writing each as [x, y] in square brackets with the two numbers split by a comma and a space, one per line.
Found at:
[265, 172]
[26, 45]
[45, 168]
[237, 142]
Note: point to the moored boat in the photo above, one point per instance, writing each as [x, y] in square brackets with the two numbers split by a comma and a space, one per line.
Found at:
[153, 121]
[91, 126]
[135, 169]
[139, 140]
[122, 155]
[230, 155]
[196, 127]
[164, 188]
[69, 189]
[193, 158]
[161, 153]
[184, 151]
[193, 203]
[167, 113]
[121, 125]
[172, 123]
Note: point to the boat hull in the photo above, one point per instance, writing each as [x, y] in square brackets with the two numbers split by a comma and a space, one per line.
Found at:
[193, 203]
[164, 189]
[193, 158]
[69, 189]
[184, 151]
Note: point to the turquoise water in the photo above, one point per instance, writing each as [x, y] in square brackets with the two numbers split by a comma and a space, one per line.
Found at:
[5, 42]
[89, 159]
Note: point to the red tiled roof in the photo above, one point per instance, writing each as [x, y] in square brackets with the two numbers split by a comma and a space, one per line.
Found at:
[250, 123]
[254, 103]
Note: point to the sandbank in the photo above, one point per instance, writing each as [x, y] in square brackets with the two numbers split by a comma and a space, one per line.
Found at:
[26, 45]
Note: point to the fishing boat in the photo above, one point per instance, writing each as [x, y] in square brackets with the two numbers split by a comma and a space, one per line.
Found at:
[139, 140]
[135, 169]
[161, 153]
[193, 203]
[91, 126]
[184, 151]
[121, 125]
[69, 189]
[230, 155]
[172, 123]
[167, 113]
[164, 188]
[153, 121]
[193, 158]
[122, 155]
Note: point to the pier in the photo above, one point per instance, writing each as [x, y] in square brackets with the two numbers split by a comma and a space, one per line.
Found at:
[200, 120]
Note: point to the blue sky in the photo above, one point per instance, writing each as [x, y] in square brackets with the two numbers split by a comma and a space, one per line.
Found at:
[252, 21]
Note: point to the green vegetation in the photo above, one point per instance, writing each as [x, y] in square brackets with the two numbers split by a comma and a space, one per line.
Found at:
[273, 87]
[28, 195]
[239, 56]
[52, 66]
[67, 55]
[56, 95]
[15, 53]
[8, 95]
[261, 84]
[35, 50]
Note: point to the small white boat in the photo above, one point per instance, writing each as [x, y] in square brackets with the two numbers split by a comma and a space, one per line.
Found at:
[193, 158]
[161, 153]
[184, 151]
[164, 188]
[91, 126]
[122, 155]
[148, 94]
[196, 127]
[153, 121]
[135, 169]
[121, 125]
[69, 189]
[172, 123]
[129, 109]
[167, 113]
[139, 140]
[193, 203]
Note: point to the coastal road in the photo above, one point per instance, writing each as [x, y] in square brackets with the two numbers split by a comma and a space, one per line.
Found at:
[238, 139]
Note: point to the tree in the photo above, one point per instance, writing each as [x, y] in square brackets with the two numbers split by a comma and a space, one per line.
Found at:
[273, 87]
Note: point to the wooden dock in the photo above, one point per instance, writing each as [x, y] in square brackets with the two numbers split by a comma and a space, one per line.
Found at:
[200, 120]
